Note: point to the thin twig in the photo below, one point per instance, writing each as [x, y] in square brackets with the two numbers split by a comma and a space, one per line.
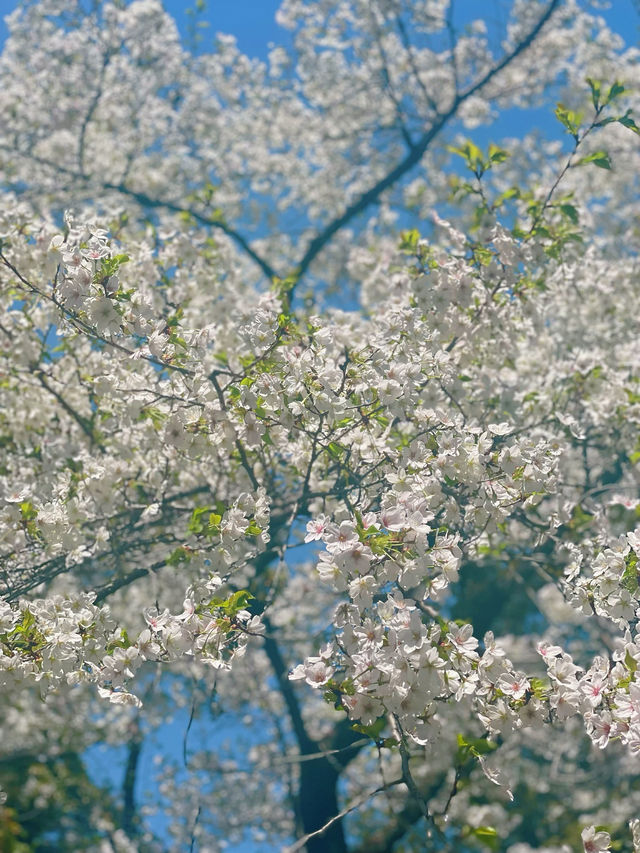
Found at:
[300, 843]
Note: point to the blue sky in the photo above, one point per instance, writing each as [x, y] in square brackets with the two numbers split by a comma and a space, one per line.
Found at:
[253, 21]
[253, 24]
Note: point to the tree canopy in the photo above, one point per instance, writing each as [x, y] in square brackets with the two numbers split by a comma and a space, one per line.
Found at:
[319, 431]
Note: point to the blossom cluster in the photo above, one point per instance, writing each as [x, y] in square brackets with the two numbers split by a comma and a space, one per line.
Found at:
[184, 405]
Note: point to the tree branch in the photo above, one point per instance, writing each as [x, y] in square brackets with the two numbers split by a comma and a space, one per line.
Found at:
[383, 840]
[301, 842]
[416, 152]
[92, 108]
[129, 818]
[83, 422]
[212, 222]
[306, 745]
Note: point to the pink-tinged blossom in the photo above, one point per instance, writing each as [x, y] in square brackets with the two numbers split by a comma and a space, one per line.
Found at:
[316, 528]
[354, 560]
[316, 672]
[593, 689]
[393, 518]
[599, 728]
[628, 703]
[461, 637]
[595, 842]
[514, 685]
[342, 538]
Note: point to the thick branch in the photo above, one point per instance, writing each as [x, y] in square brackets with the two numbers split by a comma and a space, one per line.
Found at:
[317, 796]
[129, 818]
[370, 197]
[416, 153]
[272, 650]
[212, 222]
[93, 106]
[83, 422]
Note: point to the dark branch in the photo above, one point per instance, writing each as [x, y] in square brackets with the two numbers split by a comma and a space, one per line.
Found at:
[383, 840]
[306, 745]
[203, 219]
[129, 817]
[93, 106]
[83, 422]
[416, 153]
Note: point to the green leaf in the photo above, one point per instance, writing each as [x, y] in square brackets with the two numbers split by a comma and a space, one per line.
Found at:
[615, 91]
[336, 450]
[627, 121]
[180, 555]
[485, 832]
[120, 642]
[473, 156]
[109, 267]
[570, 119]
[333, 696]
[570, 211]
[25, 636]
[580, 520]
[595, 86]
[512, 192]
[605, 121]
[488, 836]
[540, 687]
[631, 663]
[28, 511]
[156, 416]
[343, 423]
[598, 158]
[237, 601]
[475, 746]
[232, 605]
[629, 578]
[497, 154]
[213, 525]
[482, 255]
[197, 521]
[374, 730]
[174, 319]
[409, 241]
[253, 529]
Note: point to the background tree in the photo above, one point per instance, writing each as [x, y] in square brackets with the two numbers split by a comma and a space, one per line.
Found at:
[267, 418]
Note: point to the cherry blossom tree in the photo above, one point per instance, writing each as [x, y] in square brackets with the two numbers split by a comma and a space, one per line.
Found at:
[319, 431]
